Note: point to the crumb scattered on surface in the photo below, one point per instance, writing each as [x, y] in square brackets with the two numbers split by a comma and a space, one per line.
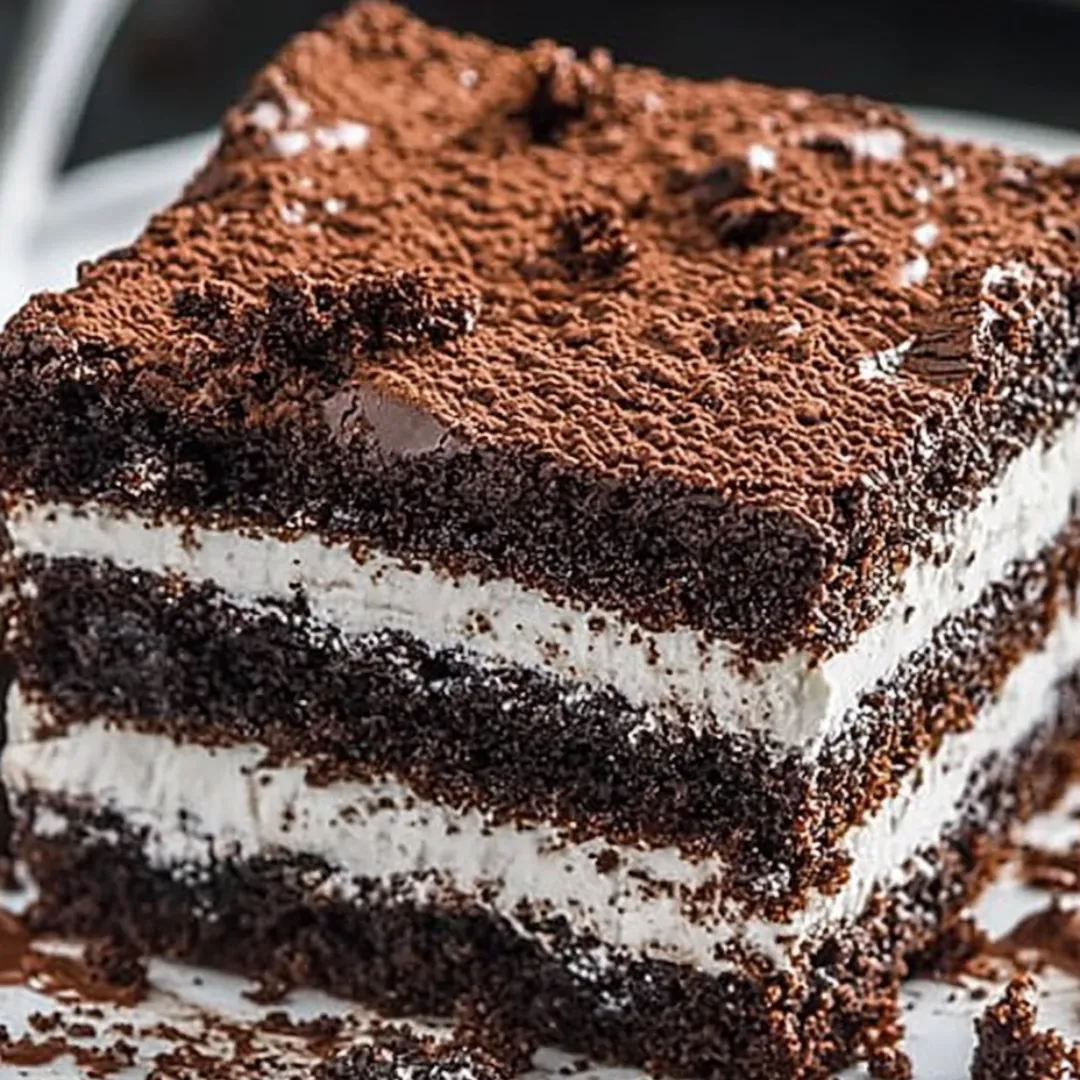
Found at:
[1008, 1046]
[117, 963]
[269, 990]
[398, 1054]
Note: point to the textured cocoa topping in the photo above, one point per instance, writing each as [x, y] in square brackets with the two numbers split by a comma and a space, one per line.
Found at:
[402, 183]
[1010, 1048]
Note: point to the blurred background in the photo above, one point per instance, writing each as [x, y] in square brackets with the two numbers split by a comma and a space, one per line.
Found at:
[176, 63]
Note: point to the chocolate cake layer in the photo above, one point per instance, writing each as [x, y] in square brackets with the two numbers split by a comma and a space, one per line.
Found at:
[276, 915]
[568, 322]
[162, 654]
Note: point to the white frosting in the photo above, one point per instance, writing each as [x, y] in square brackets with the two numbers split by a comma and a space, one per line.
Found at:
[198, 803]
[798, 701]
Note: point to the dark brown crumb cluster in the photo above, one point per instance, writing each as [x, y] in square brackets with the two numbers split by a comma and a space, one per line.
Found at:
[1010, 1048]
[276, 351]
[564, 90]
[480, 1022]
[590, 443]
[118, 964]
[398, 1054]
[591, 242]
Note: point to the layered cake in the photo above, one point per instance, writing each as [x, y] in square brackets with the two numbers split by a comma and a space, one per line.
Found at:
[528, 531]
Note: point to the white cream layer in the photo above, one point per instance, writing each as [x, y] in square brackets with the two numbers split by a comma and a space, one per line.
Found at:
[799, 702]
[198, 803]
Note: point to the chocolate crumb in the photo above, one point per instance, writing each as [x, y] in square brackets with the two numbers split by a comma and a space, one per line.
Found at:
[397, 1052]
[1045, 869]
[748, 223]
[728, 179]
[890, 1063]
[320, 325]
[564, 89]
[1009, 1048]
[118, 964]
[271, 988]
[607, 861]
[325, 1026]
[27, 1051]
[493, 1031]
[44, 1022]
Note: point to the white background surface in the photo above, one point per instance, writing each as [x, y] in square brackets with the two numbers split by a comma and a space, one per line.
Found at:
[101, 207]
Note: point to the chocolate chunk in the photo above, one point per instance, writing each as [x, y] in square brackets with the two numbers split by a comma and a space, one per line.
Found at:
[564, 89]
[746, 224]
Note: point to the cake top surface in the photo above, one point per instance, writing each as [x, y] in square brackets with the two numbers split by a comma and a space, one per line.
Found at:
[760, 293]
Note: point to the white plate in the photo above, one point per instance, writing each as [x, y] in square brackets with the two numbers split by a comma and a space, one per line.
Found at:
[102, 206]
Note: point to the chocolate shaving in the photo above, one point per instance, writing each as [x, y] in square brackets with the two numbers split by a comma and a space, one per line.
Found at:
[941, 353]
[824, 142]
[728, 179]
[748, 224]
[565, 89]
[1049, 937]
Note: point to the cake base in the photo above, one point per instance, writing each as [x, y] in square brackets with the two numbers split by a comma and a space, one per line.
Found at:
[267, 916]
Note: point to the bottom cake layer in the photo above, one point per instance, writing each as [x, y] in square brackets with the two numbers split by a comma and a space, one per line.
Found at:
[268, 916]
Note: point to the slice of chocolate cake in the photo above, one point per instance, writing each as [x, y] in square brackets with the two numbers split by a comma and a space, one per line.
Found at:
[528, 531]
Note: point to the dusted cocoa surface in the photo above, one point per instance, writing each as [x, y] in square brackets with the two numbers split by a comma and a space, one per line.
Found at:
[623, 337]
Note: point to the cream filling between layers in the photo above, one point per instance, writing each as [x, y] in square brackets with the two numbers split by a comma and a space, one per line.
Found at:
[798, 701]
[198, 804]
